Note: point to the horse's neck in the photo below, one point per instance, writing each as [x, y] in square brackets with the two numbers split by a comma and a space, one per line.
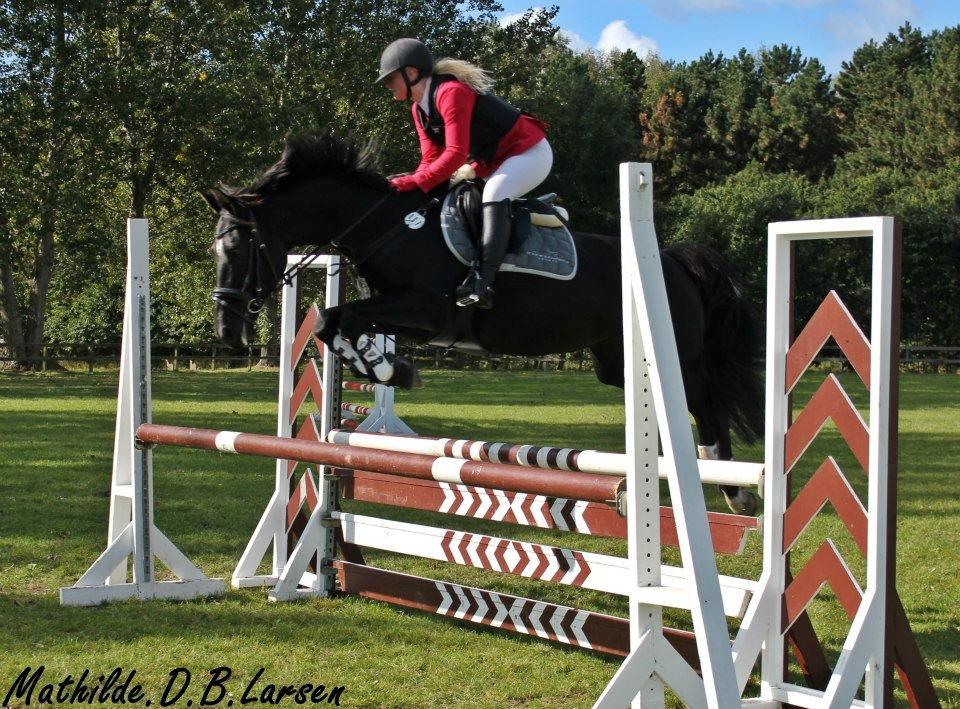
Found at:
[323, 215]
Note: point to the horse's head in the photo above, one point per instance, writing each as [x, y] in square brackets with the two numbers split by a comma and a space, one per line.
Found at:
[315, 191]
[250, 265]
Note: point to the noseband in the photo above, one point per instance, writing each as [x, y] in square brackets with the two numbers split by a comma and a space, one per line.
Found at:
[254, 291]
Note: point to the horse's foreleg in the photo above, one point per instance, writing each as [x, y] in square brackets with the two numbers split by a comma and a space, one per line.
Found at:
[349, 354]
[328, 330]
[348, 326]
[376, 361]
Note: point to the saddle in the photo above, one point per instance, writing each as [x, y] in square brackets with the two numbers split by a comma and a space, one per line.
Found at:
[540, 240]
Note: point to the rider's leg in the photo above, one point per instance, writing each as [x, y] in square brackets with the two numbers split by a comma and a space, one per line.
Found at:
[514, 178]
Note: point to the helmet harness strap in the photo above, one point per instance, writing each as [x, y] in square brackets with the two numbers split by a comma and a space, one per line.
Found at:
[410, 84]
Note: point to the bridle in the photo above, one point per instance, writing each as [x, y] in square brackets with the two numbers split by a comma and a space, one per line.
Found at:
[254, 291]
[252, 295]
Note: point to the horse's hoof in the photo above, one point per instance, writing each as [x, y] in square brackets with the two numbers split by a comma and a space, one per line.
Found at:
[405, 375]
[740, 500]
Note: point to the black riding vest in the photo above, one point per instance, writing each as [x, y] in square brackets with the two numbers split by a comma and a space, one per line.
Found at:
[491, 120]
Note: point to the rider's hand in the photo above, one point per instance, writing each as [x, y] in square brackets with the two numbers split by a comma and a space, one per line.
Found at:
[403, 183]
[464, 172]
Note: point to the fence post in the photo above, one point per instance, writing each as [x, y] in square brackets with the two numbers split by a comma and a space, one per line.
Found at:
[43, 358]
[213, 359]
[176, 358]
[90, 359]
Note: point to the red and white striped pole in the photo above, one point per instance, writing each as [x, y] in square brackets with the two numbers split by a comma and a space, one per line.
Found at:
[591, 487]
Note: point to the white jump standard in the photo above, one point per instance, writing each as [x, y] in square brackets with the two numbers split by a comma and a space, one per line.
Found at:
[132, 535]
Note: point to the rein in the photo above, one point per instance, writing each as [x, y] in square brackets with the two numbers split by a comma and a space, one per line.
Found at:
[311, 255]
[360, 256]
[258, 252]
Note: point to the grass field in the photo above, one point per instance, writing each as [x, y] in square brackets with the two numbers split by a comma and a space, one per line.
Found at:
[56, 437]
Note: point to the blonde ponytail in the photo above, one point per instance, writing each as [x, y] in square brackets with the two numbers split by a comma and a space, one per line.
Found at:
[473, 76]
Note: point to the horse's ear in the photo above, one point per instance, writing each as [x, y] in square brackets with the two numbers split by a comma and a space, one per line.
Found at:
[217, 199]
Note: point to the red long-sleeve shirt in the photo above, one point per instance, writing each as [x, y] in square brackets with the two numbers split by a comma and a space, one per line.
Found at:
[454, 101]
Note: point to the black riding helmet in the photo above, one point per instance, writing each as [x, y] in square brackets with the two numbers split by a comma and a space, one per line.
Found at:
[406, 52]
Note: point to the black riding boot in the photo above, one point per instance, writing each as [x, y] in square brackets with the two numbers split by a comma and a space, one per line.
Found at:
[496, 238]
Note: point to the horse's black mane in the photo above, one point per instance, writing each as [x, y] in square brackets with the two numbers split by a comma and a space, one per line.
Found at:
[312, 155]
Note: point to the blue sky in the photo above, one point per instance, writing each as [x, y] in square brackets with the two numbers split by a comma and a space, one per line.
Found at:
[684, 29]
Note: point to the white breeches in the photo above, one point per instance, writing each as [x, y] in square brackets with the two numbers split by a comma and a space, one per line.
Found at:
[519, 174]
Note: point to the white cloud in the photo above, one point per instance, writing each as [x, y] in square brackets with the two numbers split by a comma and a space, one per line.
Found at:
[617, 35]
[574, 41]
[512, 17]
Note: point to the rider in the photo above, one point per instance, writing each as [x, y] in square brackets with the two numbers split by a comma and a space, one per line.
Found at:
[457, 117]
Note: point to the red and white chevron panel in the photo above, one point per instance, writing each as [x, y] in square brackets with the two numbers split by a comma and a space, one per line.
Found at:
[305, 493]
[830, 401]
[309, 384]
[304, 335]
[832, 319]
[523, 615]
[579, 628]
[728, 532]
[597, 572]
[534, 561]
[827, 567]
[828, 484]
[518, 508]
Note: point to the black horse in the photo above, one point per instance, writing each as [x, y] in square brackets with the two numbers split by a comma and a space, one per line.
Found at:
[324, 192]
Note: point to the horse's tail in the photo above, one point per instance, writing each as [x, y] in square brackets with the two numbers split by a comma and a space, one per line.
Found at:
[732, 340]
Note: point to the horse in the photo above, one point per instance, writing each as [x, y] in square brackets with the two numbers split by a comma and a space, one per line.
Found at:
[326, 193]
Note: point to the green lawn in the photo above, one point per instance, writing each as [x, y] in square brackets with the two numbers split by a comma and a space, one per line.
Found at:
[56, 437]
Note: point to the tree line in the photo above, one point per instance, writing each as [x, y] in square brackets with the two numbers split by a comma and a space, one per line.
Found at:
[127, 108]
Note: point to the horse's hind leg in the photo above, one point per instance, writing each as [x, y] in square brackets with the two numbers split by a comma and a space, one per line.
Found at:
[714, 435]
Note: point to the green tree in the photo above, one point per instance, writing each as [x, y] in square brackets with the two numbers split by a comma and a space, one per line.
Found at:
[795, 119]
[589, 142]
[875, 95]
[934, 137]
[38, 143]
[928, 203]
[732, 217]
[676, 139]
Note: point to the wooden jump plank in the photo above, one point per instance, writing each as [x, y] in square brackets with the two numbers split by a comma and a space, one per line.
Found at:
[728, 531]
[584, 629]
[597, 572]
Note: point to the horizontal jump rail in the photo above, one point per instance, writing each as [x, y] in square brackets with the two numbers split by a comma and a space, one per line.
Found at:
[571, 626]
[582, 486]
[569, 567]
[719, 472]
[728, 532]
[365, 387]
